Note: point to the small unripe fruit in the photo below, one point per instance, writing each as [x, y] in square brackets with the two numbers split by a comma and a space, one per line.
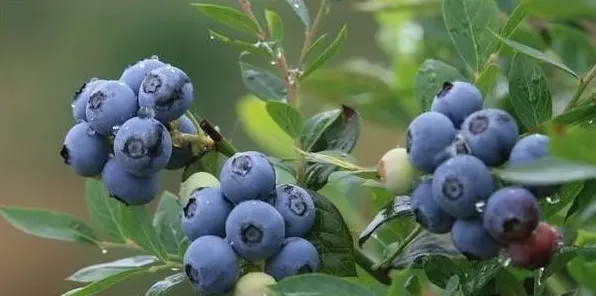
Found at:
[396, 172]
[537, 250]
[253, 284]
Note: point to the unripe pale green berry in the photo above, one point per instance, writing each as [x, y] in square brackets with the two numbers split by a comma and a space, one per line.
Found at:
[253, 284]
[396, 172]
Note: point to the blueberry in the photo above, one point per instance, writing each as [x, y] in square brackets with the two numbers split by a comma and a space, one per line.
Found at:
[247, 175]
[511, 214]
[85, 151]
[537, 250]
[143, 146]
[168, 91]
[427, 212]
[460, 183]
[81, 97]
[256, 230]
[110, 104]
[297, 256]
[205, 213]
[296, 207]
[528, 150]
[470, 239]
[211, 265]
[254, 284]
[133, 76]
[127, 188]
[457, 100]
[182, 156]
[490, 135]
[427, 136]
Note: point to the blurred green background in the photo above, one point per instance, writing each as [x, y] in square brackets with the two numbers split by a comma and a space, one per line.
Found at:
[49, 48]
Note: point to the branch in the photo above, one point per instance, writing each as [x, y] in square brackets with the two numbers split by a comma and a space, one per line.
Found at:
[367, 264]
[385, 265]
[583, 85]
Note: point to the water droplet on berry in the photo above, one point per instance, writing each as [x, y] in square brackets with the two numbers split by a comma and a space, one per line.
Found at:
[555, 199]
[504, 258]
[104, 251]
[480, 206]
[79, 121]
[141, 65]
[91, 131]
[146, 112]
[72, 105]
[93, 79]
[154, 57]
[211, 37]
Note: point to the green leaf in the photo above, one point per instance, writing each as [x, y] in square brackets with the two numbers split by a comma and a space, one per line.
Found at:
[554, 9]
[453, 287]
[136, 224]
[301, 10]
[275, 25]
[574, 47]
[166, 222]
[49, 224]
[208, 163]
[399, 207]
[439, 268]
[103, 210]
[487, 79]
[430, 77]
[287, 117]
[332, 238]
[163, 287]
[531, 52]
[262, 83]
[515, 19]
[329, 52]
[426, 244]
[101, 285]
[314, 47]
[101, 271]
[547, 172]
[318, 285]
[582, 150]
[398, 284]
[508, 285]
[332, 157]
[373, 287]
[262, 129]
[255, 49]
[583, 199]
[475, 278]
[468, 23]
[194, 182]
[528, 91]
[567, 196]
[230, 17]
[577, 115]
[566, 254]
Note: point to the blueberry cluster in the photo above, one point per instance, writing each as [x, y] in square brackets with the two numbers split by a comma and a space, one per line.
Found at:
[455, 144]
[122, 130]
[247, 216]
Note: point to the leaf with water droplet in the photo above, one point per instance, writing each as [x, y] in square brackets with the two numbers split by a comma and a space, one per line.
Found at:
[96, 287]
[301, 10]
[256, 49]
[329, 52]
[399, 207]
[163, 287]
[567, 195]
[575, 116]
[429, 78]
[230, 17]
[263, 83]
[101, 271]
[426, 244]
[529, 92]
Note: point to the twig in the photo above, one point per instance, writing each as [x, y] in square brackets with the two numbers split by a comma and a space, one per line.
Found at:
[310, 33]
[583, 85]
[221, 143]
[385, 265]
[366, 263]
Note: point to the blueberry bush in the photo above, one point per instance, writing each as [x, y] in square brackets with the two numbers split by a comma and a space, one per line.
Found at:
[493, 191]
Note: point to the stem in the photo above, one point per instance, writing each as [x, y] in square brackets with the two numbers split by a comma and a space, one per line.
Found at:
[385, 265]
[311, 32]
[583, 85]
[221, 143]
[247, 9]
[367, 264]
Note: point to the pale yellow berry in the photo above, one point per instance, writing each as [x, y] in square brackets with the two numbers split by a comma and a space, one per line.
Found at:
[254, 284]
[396, 172]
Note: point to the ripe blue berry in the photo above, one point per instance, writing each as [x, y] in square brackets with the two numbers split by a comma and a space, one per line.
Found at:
[168, 91]
[427, 212]
[110, 104]
[457, 100]
[247, 175]
[511, 214]
[128, 188]
[256, 230]
[133, 76]
[182, 156]
[297, 256]
[296, 207]
[211, 265]
[84, 150]
[427, 136]
[470, 239]
[205, 213]
[143, 146]
[460, 183]
[490, 135]
[528, 150]
[81, 97]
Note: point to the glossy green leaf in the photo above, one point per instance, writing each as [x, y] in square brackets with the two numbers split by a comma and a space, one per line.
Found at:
[137, 226]
[529, 92]
[399, 207]
[508, 285]
[230, 17]
[424, 245]
[430, 77]
[329, 52]
[318, 285]
[577, 115]
[315, 46]
[567, 196]
[263, 83]
[531, 52]
[194, 182]
[555, 9]
[332, 157]
[166, 222]
[255, 49]
[582, 150]
[275, 25]
[49, 224]
[163, 287]
[103, 210]
[547, 172]
[101, 285]
[487, 80]
[287, 117]
[518, 15]
[101, 271]
[582, 199]
[301, 10]
[332, 238]
[566, 254]
[574, 47]
[468, 23]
